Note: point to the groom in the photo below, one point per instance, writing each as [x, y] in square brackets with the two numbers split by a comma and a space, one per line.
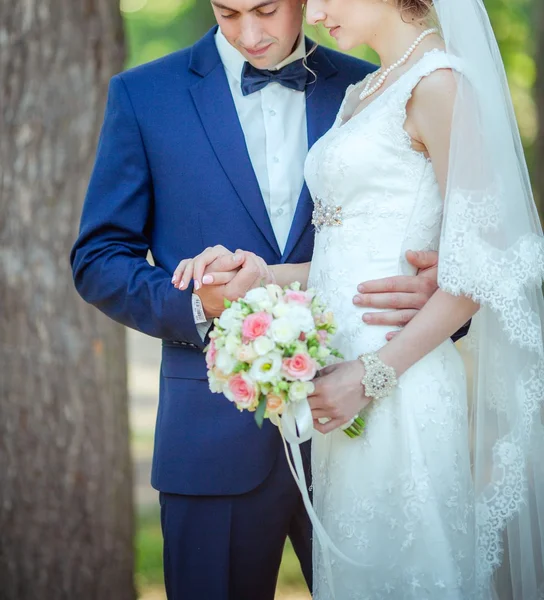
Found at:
[199, 148]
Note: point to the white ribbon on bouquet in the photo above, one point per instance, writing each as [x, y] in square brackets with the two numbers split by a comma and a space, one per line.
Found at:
[296, 426]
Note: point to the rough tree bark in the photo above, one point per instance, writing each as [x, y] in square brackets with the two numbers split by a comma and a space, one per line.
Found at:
[538, 171]
[66, 517]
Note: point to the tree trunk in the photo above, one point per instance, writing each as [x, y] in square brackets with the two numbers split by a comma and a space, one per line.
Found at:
[66, 516]
[538, 171]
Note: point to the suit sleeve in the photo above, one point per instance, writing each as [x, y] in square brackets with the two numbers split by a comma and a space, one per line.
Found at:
[108, 259]
[461, 333]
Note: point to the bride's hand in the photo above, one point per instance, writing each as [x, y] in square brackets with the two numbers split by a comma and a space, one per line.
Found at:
[220, 257]
[216, 266]
[339, 395]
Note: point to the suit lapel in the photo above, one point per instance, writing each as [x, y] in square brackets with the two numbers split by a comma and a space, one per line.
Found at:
[215, 106]
[323, 97]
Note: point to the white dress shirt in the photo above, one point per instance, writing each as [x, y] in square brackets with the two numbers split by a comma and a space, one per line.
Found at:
[274, 124]
[273, 121]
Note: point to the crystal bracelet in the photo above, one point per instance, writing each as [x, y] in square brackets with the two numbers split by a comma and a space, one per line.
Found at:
[380, 379]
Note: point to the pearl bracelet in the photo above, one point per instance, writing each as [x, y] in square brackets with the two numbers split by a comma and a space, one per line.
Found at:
[380, 379]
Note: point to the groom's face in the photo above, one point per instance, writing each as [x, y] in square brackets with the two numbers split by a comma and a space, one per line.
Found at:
[264, 31]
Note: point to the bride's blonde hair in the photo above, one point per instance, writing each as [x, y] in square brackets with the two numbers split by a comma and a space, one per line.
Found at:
[418, 9]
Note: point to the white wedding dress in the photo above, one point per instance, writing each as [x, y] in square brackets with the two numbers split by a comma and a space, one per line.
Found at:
[398, 500]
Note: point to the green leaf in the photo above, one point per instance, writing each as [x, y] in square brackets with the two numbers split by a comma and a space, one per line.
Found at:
[259, 413]
[227, 303]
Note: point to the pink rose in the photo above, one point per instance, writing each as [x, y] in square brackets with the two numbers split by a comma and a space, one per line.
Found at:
[300, 367]
[298, 297]
[243, 391]
[256, 325]
[210, 354]
[274, 404]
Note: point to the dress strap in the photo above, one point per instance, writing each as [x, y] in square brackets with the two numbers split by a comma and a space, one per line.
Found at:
[431, 61]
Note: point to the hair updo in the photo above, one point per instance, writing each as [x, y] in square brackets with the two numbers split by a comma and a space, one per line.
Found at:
[418, 9]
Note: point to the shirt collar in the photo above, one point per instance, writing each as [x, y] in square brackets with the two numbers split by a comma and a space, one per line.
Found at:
[233, 60]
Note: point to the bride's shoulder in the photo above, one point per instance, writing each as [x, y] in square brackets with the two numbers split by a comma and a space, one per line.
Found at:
[437, 78]
[433, 97]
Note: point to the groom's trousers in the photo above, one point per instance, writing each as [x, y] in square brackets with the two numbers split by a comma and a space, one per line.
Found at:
[230, 547]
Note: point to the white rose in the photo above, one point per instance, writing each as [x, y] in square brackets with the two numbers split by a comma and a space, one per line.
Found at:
[263, 345]
[216, 385]
[302, 318]
[283, 331]
[259, 299]
[281, 310]
[246, 353]
[232, 344]
[274, 291]
[225, 362]
[231, 319]
[266, 368]
[299, 390]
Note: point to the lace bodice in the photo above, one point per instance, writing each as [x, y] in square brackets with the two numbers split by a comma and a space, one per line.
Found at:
[366, 174]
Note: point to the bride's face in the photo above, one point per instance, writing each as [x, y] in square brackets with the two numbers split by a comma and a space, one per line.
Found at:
[351, 22]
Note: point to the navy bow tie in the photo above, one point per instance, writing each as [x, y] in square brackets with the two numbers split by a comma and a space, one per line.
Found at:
[292, 76]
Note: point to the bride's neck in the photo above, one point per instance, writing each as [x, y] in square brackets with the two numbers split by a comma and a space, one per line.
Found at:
[395, 37]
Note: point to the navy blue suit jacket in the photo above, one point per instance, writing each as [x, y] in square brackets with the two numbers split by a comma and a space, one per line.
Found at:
[173, 176]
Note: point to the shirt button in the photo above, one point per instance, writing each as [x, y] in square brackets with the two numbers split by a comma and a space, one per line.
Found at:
[272, 112]
[279, 212]
[276, 159]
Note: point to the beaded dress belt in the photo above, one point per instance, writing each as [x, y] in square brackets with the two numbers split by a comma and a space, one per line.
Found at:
[326, 215]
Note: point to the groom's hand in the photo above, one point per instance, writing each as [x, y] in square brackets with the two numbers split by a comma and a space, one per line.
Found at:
[338, 395]
[231, 277]
[220, 274]
[404, 295]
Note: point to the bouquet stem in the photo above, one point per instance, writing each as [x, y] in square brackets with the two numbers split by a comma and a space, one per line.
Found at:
[356, 429]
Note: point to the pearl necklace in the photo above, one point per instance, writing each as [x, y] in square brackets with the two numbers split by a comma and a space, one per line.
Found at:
[370, 89]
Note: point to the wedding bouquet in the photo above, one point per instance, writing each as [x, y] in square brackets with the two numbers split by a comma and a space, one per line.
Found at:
[266, 348]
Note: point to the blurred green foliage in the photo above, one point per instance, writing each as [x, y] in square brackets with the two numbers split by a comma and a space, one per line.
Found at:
[157, 27]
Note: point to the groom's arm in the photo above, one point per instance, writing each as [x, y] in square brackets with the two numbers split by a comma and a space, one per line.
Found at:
[109, 257]
[402, 297]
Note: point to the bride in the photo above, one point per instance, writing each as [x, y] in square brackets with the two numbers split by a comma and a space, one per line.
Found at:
[442, 496]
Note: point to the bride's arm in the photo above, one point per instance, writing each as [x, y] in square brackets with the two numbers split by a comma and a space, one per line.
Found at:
[429, 123]
[288, 273]
[218, 266]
